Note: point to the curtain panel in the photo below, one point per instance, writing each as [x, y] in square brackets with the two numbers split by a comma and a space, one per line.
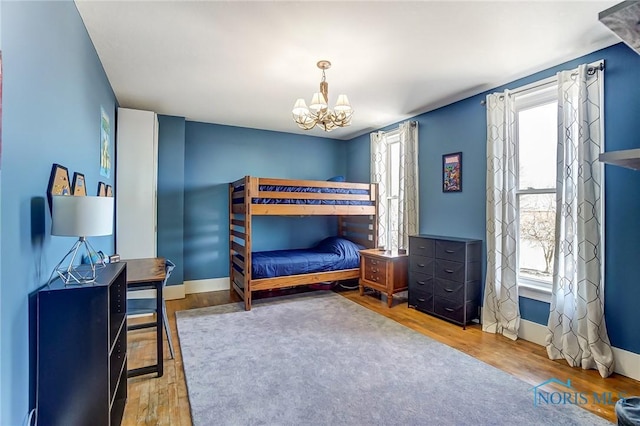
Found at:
[501, 311]
[577, 329]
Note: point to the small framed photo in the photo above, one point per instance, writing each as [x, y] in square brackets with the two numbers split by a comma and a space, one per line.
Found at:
[77, 185]
[452, 172]
[58, 183]
[109, 191]
[102, 189]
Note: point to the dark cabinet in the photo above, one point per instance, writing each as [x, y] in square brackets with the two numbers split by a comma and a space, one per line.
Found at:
[445, 277]
[82, 350]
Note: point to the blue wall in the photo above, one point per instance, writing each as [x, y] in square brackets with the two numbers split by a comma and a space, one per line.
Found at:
[216, 155]
[461, 127]
[171, 193]
[53, 88]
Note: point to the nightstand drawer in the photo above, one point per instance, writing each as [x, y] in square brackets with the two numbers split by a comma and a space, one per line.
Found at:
[421, 247]
[421, 301]
[420, 282]
[450, 250]
[374, 266]
[452, 290]
[453, 271]
[421, 264]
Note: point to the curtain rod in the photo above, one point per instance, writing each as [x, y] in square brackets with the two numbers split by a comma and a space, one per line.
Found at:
[591, 70]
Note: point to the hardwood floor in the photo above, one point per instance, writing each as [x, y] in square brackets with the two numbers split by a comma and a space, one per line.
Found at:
[163, 401]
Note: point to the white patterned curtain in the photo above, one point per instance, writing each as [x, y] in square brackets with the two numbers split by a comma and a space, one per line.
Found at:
[577, 330]
[404, 212]
[501, 312]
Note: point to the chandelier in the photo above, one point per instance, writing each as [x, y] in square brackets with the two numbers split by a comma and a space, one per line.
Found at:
[318, 113]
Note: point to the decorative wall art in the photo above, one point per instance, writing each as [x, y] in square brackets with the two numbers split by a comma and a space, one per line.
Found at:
[58, 183]
[78, 186]
[109, 191]
[102, 189]
[105, 155]
[452, 172]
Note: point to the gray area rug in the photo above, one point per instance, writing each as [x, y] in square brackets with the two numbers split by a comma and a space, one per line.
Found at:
[320, 359]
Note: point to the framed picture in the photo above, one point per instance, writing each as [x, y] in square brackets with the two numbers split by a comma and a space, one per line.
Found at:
[58, 183]
[452, 172]
[77, 185]
[109, 191]
[102, 189]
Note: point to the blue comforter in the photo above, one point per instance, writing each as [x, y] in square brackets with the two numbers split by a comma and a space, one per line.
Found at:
[331, 254]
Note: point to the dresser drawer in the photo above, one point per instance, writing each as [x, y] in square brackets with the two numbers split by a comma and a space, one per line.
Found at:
[421, 247]
[420, 282]
[421, 264]
[421, 300]
[452, 290]
[454, 311]
[453, 271]
[450, 250]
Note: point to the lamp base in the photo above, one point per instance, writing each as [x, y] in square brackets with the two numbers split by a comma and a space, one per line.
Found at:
[79, 274]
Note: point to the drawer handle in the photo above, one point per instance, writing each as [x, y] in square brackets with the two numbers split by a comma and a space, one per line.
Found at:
[421, 282]
[421, 300]
[374, 278]
[374, 270]
[421, 247]
[373, 262]
[448, 290]
[421, 265]
[449, 251]
[448, 309]
[449, 271]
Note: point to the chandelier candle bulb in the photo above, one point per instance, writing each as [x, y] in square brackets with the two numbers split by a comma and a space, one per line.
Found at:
[318, 112]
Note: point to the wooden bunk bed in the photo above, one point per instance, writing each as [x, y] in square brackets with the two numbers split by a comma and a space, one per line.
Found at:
[354, 203]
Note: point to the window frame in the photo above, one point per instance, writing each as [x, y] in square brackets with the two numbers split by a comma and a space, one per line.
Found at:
[543, 94]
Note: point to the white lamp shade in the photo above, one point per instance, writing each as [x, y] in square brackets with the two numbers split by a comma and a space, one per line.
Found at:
[342, 104]
[300, 108]
[318, 102]
[81, 216]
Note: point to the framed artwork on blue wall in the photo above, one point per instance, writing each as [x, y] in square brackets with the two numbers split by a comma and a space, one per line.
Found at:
[452, 172]
[58, 183]
[77, 185]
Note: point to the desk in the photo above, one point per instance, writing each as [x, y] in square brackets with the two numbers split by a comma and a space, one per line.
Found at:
[148, 274]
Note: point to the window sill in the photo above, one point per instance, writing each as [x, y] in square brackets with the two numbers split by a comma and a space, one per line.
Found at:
[535, 292]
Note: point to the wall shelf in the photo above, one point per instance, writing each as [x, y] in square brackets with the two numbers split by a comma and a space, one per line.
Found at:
[629, 158]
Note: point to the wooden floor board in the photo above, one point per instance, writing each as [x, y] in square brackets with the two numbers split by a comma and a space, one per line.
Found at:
[164, 401]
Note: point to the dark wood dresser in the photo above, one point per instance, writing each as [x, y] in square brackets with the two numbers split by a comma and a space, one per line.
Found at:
[445, 277]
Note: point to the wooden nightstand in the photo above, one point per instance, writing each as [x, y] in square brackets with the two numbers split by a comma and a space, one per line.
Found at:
[385, 271]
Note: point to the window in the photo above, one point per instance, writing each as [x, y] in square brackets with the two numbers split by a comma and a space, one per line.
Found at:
[393, 190]
[394, 167]
[537, 141]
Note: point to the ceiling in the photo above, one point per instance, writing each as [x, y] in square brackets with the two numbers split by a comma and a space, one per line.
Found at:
[244, 63]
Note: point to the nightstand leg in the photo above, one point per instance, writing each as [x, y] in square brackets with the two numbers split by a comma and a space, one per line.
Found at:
[361, 290]
[389, 300]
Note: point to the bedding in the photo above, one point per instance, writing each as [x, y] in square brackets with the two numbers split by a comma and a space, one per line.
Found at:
[298, 189]
[330, 254]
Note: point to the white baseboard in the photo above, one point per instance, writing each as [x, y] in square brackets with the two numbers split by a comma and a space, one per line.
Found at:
[179, 291]
[627, 363]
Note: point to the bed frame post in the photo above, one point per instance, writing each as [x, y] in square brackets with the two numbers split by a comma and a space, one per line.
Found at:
[249, 183]
[230, 239]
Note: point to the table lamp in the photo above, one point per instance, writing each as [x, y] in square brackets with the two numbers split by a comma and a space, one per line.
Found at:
[82, 217]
